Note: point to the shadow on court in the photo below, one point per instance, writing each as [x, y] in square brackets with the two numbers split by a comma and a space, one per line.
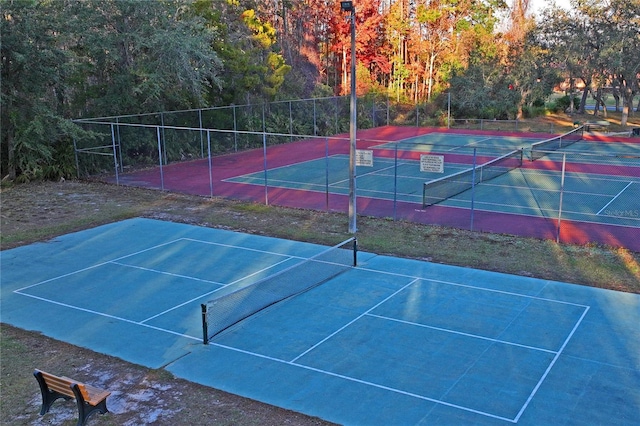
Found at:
[391, 341]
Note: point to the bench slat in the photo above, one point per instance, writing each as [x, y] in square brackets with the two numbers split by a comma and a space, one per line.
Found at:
[91, 394]
[58, 384]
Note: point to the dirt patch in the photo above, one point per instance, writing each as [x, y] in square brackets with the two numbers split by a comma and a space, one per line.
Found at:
[140, 396]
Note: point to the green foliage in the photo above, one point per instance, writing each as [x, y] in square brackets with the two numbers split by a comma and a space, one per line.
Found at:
[63, 60]
[483, 90]
[534, 111]
[563, 104]
[246, 44]
[44, 148]
[70, 59]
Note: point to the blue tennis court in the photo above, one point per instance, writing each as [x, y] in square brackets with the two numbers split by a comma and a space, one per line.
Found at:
[456, 143]
[390, 341]
[526, 191]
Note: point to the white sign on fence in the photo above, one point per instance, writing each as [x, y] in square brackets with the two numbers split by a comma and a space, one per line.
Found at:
[432, 163]
[364, 157]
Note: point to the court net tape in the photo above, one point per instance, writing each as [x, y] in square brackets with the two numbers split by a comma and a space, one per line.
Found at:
[540, 149]
[229, 309]
[446, 187]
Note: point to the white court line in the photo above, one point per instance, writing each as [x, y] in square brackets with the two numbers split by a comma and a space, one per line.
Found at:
[475, 336]
[243, 248]
[116, 262]
[472, 287]
[475, 143]
[351, 322]
[422, 397]
[101, 314]
[364, 382]
[546, 373]
[414, 395]
[216, 290]
[614, 198]
[286, 166]
[288, 184]
[96, 265]
[171, 274]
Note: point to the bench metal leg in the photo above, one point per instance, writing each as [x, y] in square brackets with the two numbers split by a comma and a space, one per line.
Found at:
[48, 396]
[84, 409]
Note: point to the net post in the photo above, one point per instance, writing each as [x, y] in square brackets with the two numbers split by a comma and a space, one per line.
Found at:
[424, 195]
[242, 302]
[205, 331]
[355, 252]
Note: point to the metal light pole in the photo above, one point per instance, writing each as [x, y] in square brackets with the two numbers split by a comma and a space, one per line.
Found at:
[347, 6]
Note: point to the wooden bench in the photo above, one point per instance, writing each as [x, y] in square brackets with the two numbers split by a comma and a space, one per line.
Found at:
[602, 125]
[89, 399]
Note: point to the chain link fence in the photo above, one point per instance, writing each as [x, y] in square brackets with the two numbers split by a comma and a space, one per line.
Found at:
[576, 197]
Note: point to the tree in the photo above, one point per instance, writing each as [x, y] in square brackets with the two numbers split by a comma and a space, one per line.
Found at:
[34, 90]
[246, 42]
[619, 23]
[68, 59]
[598, 42]
[483, 89]
[142, 56]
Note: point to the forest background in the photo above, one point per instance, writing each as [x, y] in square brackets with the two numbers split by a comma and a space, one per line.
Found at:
[68, 59]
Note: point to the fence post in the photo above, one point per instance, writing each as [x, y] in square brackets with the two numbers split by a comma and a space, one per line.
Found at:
[473, 185]
[119, 145]
[75, 154]
[210, 163]
[160, 157]
[264, 155]
[395, 182]
[387, 111]
[315, 120]
[448, 110]
[235, 130]
[115, 154]
[164, 140]
[290, 123]
[326, 156]
[201, 139]
[373, 112]
[564, 159]
[335, 99]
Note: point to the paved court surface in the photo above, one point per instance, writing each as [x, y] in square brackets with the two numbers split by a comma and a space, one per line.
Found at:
[392, 341]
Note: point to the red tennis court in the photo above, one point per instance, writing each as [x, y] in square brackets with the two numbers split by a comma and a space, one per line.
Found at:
[569, 196]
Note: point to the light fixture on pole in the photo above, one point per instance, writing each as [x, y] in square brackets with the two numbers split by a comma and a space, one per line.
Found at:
[347, 6]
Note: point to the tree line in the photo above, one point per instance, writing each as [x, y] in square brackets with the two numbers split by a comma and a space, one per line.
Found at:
[66, 59]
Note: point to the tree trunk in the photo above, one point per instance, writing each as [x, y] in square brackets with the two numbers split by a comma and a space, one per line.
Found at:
[627, 101]
[616, 96]
[345, 83]
[11, 164]
[627, 105]
[625, 115]
[583, 100]
[432, 60]
[571, 88]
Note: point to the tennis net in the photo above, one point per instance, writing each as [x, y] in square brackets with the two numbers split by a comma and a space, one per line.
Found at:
[438, 190]
[236, 305]
[542, 148]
